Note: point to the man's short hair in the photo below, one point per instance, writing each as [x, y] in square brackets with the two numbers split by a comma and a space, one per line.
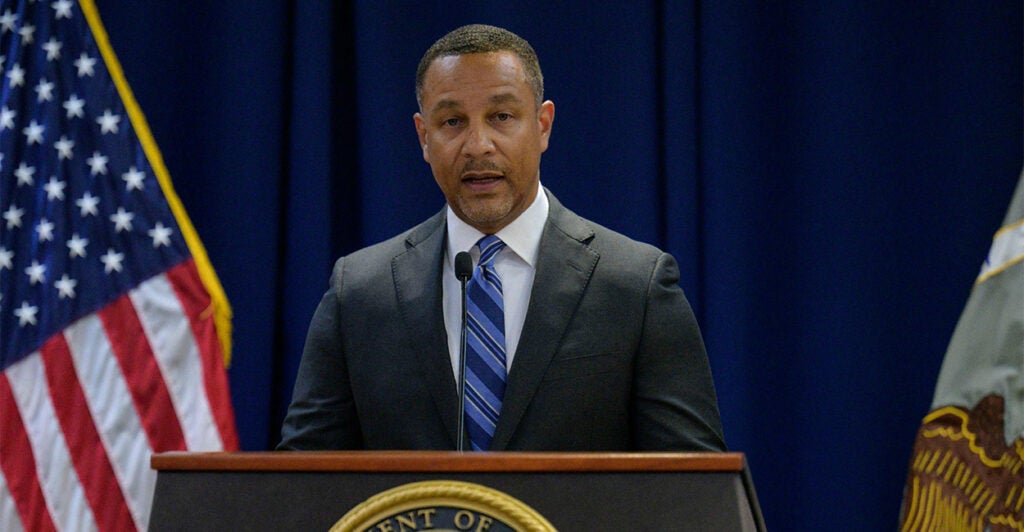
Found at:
[478, 39]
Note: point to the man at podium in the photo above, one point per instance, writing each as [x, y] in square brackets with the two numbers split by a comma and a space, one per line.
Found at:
[576, 337]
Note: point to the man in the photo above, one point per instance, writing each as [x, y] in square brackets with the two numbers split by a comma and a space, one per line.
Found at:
[580, 339]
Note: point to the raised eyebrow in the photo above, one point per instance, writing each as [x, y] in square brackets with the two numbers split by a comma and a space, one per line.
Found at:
[447, 104]
[497, 99]
[504, 98]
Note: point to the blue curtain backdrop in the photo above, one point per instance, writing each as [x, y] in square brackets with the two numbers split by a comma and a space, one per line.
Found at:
[829, 177]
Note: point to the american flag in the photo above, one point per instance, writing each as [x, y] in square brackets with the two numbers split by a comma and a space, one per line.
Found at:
[113, 326]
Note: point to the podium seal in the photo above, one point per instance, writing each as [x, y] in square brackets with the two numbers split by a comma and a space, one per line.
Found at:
[442, 506]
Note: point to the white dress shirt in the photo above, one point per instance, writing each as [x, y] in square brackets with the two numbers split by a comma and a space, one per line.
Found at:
[515, 264]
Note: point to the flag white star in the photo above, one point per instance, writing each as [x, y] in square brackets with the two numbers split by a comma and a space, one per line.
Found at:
[62, 8]
[24, 174]
[97, 163]
[26, 314]
[75, 107]
[7, 118]
[87, 205]
[161, 235]
[34, 133]
[45, 90]
[6, 259]
[64, 147]
[133, 179]
[85, 65]
[16, 76]
[27, 33]
[36, 273]
[111, 261]
[54, 189]
[45, 230]
[122, 220]
[108, 122]
[66, 287]
[52, 48]
[13, 216]
[8, 21]
[76, 246]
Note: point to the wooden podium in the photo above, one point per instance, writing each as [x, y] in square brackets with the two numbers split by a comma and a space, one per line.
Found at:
[572, 491]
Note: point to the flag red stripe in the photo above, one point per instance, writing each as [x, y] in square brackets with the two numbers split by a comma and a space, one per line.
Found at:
[196, 303]
[95, 472]
[18, 464]
[142, 373]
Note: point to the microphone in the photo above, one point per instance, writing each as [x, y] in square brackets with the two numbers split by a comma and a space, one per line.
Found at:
[463, 271]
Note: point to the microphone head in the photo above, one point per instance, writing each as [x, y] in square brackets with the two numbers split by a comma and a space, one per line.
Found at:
[463, 265]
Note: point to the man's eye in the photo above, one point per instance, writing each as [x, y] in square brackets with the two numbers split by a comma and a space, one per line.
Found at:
[502, 117]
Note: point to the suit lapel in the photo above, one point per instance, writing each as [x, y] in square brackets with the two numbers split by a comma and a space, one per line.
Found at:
[564, 267]
[417, 277]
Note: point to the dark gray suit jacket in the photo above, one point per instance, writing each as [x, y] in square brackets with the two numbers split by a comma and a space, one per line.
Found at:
[610, 358]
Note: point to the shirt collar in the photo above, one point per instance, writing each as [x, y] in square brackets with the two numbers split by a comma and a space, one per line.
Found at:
[522, 236]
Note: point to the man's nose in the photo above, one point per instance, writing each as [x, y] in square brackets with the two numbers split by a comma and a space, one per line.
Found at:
[478, 141]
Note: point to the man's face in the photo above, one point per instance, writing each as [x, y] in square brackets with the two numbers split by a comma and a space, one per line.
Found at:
[482, 135]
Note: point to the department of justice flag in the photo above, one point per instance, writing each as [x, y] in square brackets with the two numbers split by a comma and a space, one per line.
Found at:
[967, 469]
[114, 330]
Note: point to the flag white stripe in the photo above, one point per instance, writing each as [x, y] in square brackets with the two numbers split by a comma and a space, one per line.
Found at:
[114, 413]
[64, 494]
[170, 335]
[9, 519]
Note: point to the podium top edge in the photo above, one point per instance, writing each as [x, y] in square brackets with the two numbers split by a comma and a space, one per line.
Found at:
[447, 461]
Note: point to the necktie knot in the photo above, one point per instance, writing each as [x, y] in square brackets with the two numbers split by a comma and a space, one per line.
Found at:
[490, 246]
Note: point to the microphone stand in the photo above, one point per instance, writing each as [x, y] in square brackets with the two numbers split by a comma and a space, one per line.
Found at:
[463, 270]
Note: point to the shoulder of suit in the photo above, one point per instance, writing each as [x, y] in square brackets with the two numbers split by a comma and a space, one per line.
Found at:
[598, 237]
[382, 252]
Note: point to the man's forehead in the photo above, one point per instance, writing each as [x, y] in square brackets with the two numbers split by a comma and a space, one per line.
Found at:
[504, 57]
[461, 69]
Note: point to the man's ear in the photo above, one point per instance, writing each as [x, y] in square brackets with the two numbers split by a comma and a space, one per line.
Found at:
[546, 117]
[421, 132]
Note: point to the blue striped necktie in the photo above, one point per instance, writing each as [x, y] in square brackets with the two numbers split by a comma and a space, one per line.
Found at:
[485, 347]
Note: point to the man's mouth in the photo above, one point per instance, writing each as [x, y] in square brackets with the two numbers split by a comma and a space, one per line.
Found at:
[480, 177]
[481, 182]
[481, 174]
